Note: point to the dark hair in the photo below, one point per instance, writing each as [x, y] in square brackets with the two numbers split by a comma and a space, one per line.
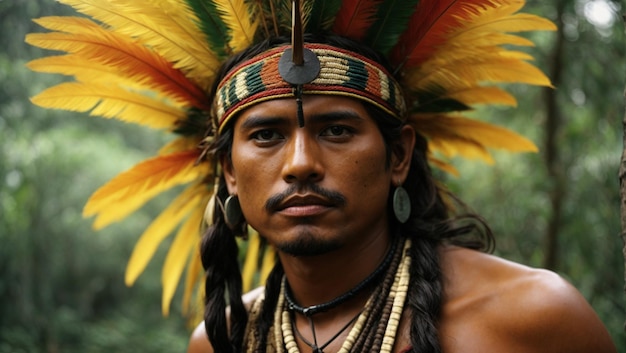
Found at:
[431, 223]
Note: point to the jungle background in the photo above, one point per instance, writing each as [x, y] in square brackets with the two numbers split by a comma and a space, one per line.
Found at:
[62, 283]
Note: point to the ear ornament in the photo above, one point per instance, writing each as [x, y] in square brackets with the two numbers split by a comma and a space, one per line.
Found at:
[401, 204]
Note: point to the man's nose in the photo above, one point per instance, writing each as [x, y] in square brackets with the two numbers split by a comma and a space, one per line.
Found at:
[303, 160]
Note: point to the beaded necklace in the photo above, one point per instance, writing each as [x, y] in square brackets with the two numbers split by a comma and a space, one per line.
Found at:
[375, 328]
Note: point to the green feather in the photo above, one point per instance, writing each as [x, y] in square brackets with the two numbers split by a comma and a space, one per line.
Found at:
[212, 26]
[322, 15]
[276, 18]
[391, 21]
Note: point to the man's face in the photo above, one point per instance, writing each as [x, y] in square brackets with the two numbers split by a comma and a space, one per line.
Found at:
[314, 189]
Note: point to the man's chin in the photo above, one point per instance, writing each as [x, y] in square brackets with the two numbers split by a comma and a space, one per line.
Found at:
[308, 245]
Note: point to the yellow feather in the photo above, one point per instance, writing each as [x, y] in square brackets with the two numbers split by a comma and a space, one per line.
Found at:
[475, 51]
[180, 144]
[478, 95]
[441, 165]
[121, 54]
[194, 271]
[269, 260]
[90, 72]
[241, 25]
[65, 24]
[110, 102]
[474, 71]
[465, 148]
[251, 261]
[130, 190]
[197, 315]
[452, 135]
[168, 26]
[82, 69]
[503, 18]
[180, 250]
[159, 229]
[491, 39]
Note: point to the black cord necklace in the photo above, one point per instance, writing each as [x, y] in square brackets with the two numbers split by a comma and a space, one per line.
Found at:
[314, 309]
[314, 347]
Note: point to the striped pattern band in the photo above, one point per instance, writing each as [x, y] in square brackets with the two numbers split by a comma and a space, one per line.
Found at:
[342, 73]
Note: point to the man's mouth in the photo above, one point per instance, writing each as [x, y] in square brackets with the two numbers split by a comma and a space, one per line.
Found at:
[304, 205]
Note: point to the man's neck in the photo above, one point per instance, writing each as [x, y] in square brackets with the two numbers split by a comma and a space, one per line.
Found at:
[314, 280]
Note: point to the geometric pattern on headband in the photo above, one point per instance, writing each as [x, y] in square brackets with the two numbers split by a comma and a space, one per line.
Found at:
[342, 73]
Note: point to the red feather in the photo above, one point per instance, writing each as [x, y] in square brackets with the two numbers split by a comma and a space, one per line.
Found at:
[428, 26]
[355, 17]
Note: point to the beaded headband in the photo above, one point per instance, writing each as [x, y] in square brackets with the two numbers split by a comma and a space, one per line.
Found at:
[342, 73]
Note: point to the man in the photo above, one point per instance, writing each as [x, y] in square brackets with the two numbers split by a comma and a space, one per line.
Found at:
[323, 144]
[322, 195]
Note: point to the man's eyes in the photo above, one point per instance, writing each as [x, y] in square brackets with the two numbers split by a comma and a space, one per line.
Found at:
[337, 131]
[272, 135]
[266, 135]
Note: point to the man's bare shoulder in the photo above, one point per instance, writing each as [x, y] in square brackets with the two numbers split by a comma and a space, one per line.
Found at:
[199, 342]
[499, 305]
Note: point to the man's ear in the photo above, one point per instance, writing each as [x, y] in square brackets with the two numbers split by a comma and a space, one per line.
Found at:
[401, 154]
[229, 174]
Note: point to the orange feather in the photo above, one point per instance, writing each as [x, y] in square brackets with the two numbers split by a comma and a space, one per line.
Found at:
[120, 53]
[130, 190]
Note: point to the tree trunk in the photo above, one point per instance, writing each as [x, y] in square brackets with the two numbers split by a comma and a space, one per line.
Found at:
[554, 166]
[622, 189]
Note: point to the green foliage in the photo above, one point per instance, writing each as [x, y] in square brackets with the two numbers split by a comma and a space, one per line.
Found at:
[515, 193]
[61, 283]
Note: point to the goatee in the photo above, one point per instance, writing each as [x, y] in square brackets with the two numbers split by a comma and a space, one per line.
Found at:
[307, 244]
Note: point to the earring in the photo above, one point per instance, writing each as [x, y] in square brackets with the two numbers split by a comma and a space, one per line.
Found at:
[401, 204]
[233, 216]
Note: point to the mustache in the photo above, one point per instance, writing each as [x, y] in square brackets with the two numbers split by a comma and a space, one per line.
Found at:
[333, 196]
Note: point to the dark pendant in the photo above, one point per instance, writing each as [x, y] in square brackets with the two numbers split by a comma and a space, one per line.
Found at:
[317, 349]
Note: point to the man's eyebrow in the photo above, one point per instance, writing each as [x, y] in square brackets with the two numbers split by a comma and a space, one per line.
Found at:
[255, 121]
[334, 116]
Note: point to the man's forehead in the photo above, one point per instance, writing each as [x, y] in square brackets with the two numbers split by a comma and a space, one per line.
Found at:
[317, 109]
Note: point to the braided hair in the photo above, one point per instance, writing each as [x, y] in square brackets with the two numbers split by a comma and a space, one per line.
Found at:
[431, 224]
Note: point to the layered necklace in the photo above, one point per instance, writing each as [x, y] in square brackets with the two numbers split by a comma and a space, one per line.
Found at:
[374, 327]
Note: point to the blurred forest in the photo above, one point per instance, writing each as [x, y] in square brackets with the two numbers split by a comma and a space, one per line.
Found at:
[62, 284]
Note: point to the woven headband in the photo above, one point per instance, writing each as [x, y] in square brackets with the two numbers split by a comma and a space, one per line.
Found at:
[342, 73]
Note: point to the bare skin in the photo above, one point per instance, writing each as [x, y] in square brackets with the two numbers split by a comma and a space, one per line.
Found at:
[490, 305]
[494, 305]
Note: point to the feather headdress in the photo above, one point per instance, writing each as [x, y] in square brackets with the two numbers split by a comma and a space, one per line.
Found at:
[152, 62]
